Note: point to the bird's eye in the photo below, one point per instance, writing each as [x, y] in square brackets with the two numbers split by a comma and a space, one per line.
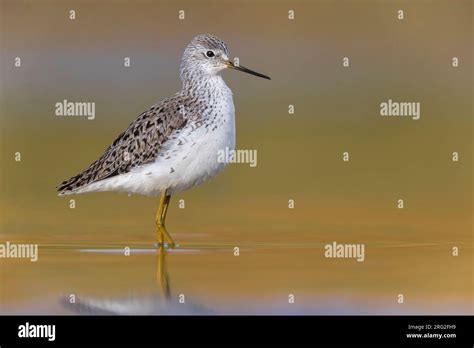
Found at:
[210, 54]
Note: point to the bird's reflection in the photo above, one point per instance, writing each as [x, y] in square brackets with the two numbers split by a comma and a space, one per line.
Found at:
[162, 276]
[160, 303]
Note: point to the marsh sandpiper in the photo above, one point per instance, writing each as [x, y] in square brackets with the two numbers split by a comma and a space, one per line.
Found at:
[174, 145]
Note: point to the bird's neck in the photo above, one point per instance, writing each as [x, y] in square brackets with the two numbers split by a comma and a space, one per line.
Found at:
[204, 86]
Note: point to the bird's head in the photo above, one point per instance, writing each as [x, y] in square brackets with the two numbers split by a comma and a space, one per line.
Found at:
[206, 56]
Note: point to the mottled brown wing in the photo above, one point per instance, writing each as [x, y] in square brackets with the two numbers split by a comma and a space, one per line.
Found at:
[139, 144]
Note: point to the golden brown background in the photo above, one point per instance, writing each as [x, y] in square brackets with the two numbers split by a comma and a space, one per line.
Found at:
[299, 156]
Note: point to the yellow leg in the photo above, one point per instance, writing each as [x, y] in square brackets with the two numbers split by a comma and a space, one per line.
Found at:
[160, 220]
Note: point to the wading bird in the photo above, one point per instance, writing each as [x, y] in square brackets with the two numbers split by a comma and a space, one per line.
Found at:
[174, 145]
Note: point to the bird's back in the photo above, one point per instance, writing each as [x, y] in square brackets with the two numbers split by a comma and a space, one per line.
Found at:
[139, 144]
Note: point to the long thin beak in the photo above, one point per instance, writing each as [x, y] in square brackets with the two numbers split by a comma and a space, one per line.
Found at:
[245, 70]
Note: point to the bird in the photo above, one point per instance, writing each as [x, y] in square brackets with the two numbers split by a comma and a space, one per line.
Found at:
[174, 145]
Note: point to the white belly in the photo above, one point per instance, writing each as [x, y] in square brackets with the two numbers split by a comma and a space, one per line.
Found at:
[195, 161]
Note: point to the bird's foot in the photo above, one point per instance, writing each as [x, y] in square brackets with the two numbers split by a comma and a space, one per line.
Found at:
[165, 245]
[164, 237]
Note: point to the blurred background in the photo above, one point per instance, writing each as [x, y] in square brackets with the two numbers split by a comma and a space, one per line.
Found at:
[408, 251]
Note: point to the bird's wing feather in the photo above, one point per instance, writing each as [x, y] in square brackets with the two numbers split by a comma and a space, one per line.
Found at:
[139, 144]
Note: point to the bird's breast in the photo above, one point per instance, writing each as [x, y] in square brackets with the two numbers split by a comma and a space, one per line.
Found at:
[198, 152]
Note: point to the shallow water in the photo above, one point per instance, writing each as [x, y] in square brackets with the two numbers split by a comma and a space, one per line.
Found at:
[151, 280]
